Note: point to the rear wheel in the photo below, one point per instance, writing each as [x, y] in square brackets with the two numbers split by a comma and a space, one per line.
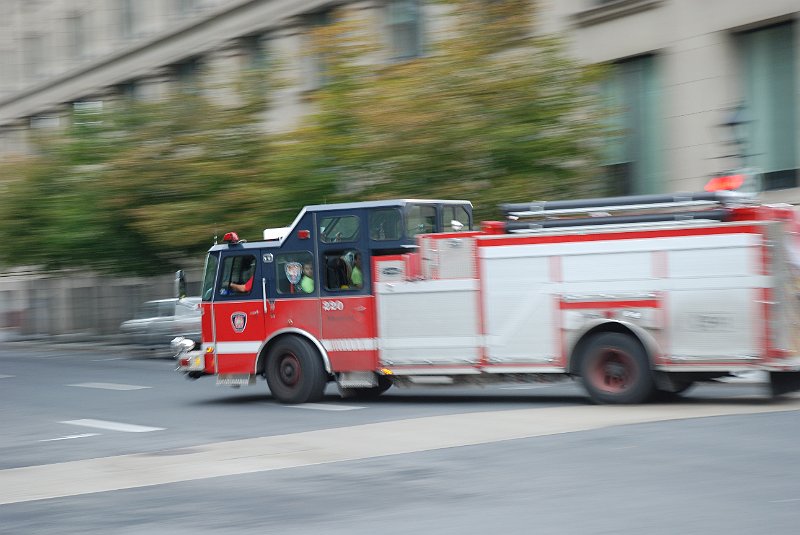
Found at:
[294, 371]
[615, 369]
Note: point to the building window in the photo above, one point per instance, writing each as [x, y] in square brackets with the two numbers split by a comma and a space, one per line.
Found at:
[33, 53]
[76, 35]
[44, 122]
[403, 20]
[254, 51]
[633, 149]
[314, 61]
[127, 18]
[187, 76]
[128, 90]
[87, 112]
[186, 7]
[769, 78]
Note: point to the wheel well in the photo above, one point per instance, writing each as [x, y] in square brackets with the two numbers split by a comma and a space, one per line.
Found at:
[608, 327]
[261, 363]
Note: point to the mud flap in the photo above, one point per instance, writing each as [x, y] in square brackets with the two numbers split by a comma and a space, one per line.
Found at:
[784, 382]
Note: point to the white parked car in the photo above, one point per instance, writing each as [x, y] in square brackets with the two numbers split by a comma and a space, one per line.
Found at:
[156, 323]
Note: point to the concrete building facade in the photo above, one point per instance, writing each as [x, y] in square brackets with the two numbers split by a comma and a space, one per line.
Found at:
[678, 69]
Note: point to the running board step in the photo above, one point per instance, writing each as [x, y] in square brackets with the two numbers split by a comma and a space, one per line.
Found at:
[235, 379]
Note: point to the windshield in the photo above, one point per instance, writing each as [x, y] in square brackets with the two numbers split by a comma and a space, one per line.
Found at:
[209, 274]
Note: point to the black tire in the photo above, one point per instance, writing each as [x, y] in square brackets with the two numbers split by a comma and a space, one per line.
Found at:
[294, 371]
[373, 392]
[615, 369]
[674, 392]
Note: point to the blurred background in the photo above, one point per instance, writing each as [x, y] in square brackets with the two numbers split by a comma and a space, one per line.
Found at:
[134, 132]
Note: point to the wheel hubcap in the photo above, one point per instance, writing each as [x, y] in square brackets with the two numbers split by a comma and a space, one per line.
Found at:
[289, 370]
[614, 370]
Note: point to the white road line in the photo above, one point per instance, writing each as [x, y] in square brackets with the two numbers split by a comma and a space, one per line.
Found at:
[366, 441]
[103, 360]
[324, 407]
[785, 501]
[6, 376]
[110, 386]
[113, 426]
[69, 437]
[525, 387]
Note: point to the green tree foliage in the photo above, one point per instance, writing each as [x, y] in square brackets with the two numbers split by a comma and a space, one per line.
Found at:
[139, 187]
[492, 113]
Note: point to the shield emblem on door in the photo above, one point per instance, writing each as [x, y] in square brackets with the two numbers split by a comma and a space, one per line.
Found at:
[238, 321]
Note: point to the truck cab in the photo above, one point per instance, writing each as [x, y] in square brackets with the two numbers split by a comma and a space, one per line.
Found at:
[310, 281]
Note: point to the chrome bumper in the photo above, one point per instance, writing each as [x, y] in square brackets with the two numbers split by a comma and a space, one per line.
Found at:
[186, 356]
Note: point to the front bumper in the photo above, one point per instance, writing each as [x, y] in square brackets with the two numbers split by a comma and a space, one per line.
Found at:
[187, 357]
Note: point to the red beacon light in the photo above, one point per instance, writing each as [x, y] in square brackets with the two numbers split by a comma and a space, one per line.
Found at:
[725, 183]
[231, 238]
[746, 180]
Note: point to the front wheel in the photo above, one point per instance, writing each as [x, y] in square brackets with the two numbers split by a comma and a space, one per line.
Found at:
[294, 371]
[615, 369]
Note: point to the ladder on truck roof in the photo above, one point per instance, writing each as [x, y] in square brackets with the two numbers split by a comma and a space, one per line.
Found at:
[703, 206]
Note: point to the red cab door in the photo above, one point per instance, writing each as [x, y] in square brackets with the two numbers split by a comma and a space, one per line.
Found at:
[238, 324]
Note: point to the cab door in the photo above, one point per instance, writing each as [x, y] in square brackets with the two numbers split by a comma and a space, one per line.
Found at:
[347, 305]
[292, 290]
[238, 312]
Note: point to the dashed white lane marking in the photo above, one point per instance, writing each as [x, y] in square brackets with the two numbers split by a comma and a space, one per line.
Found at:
[5, 376]
[70, 437]
[113, 426]
[324, 407]
[110, 386]
[103, 360]
[367, 441]
[785, 501]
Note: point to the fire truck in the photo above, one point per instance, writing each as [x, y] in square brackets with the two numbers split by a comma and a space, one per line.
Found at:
[634, 296]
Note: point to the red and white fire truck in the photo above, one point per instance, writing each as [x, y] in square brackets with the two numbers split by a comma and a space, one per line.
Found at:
[633, 295]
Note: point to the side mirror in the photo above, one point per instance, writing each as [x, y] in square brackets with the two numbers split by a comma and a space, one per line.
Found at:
[180, 284]
[456, 225]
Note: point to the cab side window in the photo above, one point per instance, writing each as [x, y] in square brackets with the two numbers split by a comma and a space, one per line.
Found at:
[421, 219]
[294, 273]
[385, 224]
[457, 213]
[343, 270]
[238, 273]
[337, 229]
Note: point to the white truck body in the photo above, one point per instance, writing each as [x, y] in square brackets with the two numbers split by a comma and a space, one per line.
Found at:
[701, 297]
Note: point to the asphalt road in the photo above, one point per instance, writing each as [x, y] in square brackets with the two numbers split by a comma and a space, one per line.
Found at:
[107, 442]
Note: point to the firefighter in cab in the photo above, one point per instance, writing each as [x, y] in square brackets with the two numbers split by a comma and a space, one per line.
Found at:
[248, 271]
